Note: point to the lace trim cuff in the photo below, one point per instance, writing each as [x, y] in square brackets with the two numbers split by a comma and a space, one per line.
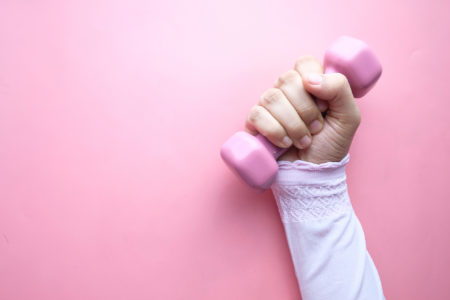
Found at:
[306, 191]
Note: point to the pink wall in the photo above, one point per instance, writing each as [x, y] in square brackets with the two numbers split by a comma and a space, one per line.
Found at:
[112, 114]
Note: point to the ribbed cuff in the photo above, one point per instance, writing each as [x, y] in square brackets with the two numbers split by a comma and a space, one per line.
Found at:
[302, 172]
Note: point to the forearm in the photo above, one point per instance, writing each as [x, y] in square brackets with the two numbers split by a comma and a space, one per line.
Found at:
[325, 237]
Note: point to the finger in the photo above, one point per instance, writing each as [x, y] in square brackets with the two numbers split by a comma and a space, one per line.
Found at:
[308, 64]
[335, 89]
[290, 83]
[259, 120]
[282, 110]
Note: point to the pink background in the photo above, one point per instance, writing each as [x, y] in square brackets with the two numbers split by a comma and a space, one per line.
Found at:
[112, 114]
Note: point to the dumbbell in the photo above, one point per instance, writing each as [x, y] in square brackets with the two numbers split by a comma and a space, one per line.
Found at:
[253, 159]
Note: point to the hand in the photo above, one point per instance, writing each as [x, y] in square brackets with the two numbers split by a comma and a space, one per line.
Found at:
[288, 114]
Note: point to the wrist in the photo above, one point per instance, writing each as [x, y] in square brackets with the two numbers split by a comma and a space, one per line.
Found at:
[318, 158]
[301, 171]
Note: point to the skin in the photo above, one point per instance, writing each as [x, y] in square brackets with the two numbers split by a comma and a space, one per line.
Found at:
[292, 113]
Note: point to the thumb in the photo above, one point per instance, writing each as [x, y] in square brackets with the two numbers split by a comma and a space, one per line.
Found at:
[335, 89]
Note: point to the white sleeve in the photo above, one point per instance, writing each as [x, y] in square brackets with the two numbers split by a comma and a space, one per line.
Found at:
[325, 237]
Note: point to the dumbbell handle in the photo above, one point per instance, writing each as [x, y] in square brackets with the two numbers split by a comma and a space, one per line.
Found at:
[274, 150]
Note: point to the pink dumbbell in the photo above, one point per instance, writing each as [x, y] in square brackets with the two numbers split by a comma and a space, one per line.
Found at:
[253, 159]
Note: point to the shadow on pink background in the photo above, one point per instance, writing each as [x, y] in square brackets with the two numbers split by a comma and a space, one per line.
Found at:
[112, 114]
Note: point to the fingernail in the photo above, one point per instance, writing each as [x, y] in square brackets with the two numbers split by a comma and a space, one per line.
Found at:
[305, 141]
[315, 126]
[314, 79]
[321, 105]
[286, 141]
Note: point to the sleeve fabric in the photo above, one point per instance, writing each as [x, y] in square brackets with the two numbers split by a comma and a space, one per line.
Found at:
[325, 237]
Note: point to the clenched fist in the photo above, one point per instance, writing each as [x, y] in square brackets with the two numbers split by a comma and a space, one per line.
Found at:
[291, 113]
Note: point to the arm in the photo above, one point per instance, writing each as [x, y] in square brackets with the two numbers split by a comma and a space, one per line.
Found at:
[325, 238]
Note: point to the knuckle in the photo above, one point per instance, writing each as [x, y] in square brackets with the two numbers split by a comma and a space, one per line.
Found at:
[342, 82]
[341, 87]
[273, 131]
[288, 77]
[271, 96]
[255, 114]
[341, 79]
[296, 128]
[305, 59]
[308, 112]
